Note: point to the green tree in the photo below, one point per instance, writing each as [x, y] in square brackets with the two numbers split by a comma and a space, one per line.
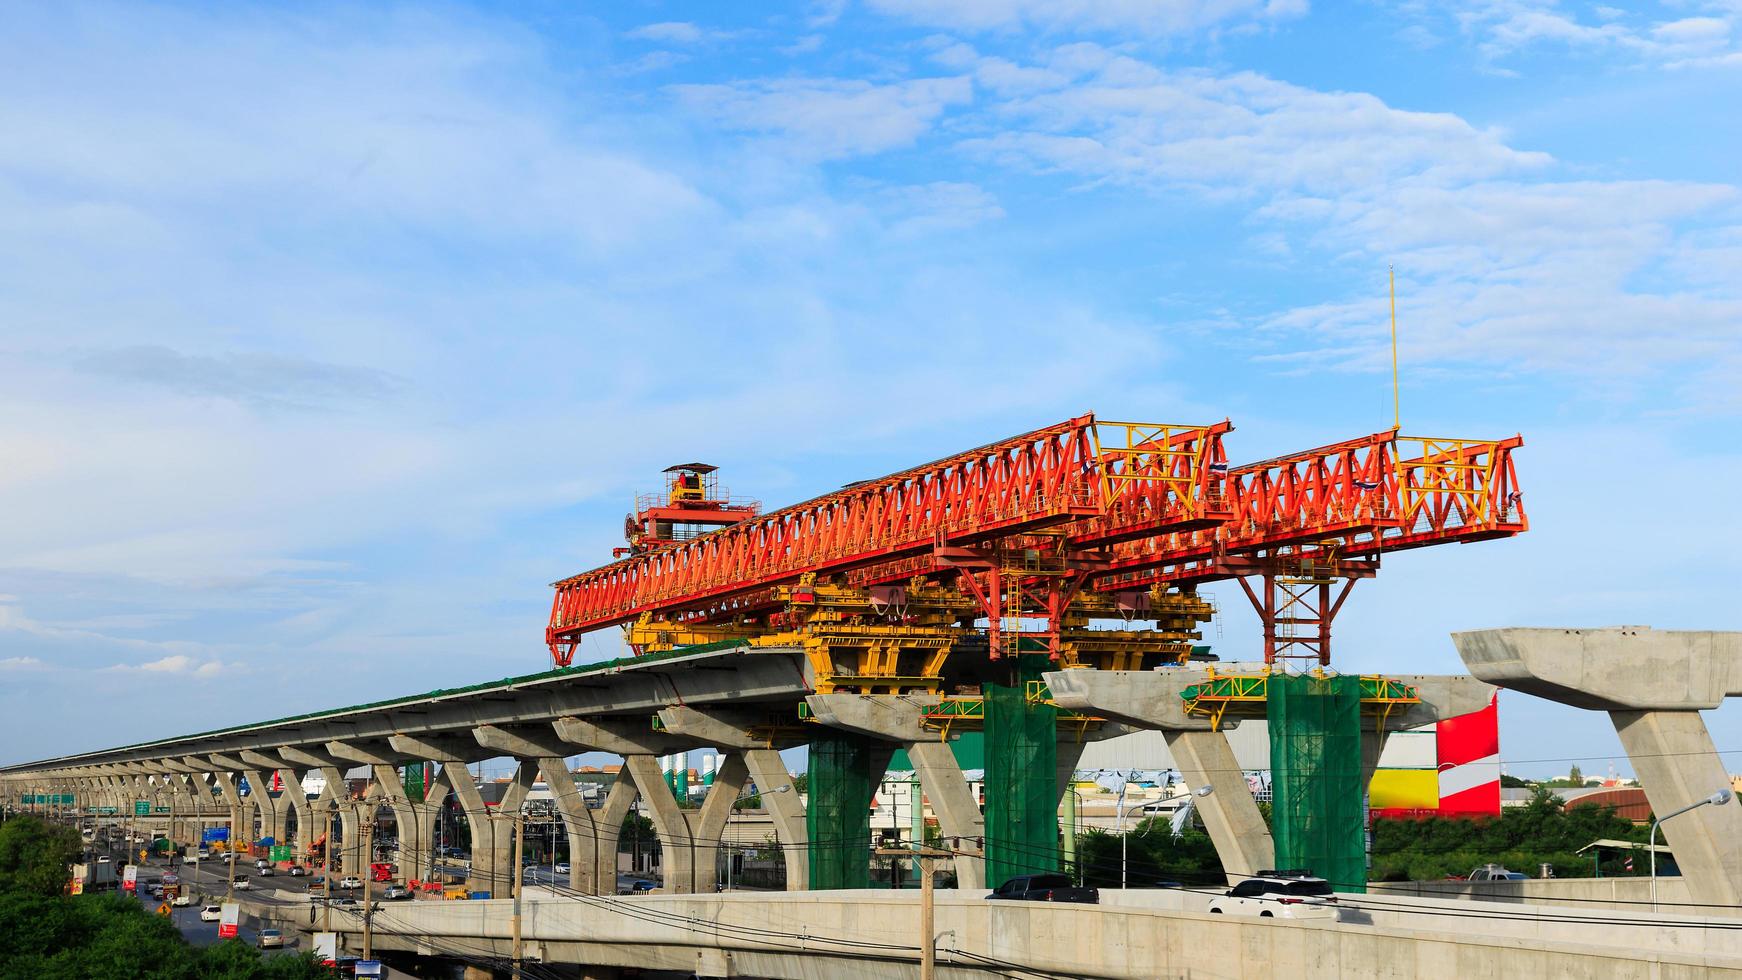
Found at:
[35, 855]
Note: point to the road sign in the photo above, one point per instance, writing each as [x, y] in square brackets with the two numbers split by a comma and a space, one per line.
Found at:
[142, 808]
[229, 914]
[164, 910]
[213, 834]
[369, 968]
[282, 852]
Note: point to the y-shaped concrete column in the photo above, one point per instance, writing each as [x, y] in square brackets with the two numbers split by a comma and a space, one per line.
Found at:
[292, 800]
[272, 809]
[453, 754]
[901, 719]
[727, 729]
[640, 747]
[1654, 684]
[592, 834]
[1150, 699]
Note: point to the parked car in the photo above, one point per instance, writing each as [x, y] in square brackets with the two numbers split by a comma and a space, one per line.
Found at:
[1046, 888]
[350, 881]
[269, 939]
[561, 868]
[396, 892]
[297, 871]
[1279, 895]
[1495, 872]
[211, 913]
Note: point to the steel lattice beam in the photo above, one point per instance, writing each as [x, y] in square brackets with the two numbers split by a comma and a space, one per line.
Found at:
[1159, 478]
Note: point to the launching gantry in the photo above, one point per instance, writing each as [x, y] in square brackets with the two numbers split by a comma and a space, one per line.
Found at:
[1085, 541]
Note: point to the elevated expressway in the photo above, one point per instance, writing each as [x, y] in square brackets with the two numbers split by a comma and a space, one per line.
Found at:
[538, 720]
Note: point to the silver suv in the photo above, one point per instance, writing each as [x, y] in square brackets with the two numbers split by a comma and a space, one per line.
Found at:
[1279, 895]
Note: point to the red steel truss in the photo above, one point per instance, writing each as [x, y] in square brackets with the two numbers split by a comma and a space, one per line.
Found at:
[1383, 492]
[1131, 505]
[1154, 478]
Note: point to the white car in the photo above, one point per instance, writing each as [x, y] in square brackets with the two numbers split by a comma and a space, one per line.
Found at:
[561, 869]
[183, 901]
[350, 881]
[1278, 895]
[211, 913]
[243, 884]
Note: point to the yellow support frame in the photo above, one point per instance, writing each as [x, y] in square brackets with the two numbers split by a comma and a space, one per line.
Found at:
[1247, 695]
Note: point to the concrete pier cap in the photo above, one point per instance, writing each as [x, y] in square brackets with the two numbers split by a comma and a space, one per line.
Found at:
[1617, 668]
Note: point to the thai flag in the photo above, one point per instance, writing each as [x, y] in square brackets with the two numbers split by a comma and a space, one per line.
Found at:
[1219, 469]
[1629, 864]
[1366, 485]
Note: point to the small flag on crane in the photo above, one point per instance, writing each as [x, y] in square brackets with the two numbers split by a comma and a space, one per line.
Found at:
[1219, 469]
[1367, 485]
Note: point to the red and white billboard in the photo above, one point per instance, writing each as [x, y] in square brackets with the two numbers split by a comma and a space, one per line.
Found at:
[229, 916]
[1464, 780]
[130, 878]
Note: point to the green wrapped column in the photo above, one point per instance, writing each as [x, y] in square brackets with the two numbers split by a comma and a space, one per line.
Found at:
[1315, 761]
[1022, 797]
[843, 777]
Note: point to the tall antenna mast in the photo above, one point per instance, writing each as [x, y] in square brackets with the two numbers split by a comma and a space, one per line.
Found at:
[1396, 401]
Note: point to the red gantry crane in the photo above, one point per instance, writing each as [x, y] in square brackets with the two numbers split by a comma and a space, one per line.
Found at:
[1041, 536]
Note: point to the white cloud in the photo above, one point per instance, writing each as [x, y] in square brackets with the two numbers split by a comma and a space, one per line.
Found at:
[1143, 17]
[1508, 28]
[19, 663]
[168, 665]
[830, 118]
[1501, 264]
[670, 32]
[1128, 122]
[183, 665]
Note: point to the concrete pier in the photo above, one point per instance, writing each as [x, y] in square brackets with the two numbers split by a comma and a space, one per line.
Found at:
[1653, 684]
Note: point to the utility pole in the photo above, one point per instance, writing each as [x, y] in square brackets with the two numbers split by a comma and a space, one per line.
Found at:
[928, 965]
[368, 827]
[516, 841]
[327, 873]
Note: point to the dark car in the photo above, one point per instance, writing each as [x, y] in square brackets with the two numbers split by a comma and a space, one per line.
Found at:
[1046, 888]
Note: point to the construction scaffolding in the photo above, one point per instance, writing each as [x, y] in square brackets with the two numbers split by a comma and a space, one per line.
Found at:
[1022, 791]
[1317, 817]
[844, 773]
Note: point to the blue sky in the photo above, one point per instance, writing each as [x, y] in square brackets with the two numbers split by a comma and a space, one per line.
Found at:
[333, 334]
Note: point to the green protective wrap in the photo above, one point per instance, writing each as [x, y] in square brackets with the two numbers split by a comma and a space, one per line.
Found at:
[1317, 816]
[414, 788]
[838, 817]
[1022, 792]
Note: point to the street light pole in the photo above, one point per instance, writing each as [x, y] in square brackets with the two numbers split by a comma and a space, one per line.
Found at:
[1719, 798]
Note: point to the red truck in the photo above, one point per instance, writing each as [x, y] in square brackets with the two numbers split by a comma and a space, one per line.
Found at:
[382, 871]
